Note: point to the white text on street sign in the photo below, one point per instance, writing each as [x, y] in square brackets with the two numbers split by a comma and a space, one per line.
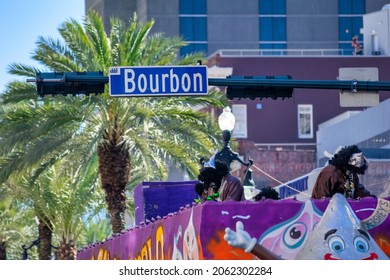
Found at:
[158, 81]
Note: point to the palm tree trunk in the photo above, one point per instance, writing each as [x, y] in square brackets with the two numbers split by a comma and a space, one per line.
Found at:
[3, 250]
[114, 170]
[45, 236]
[66, 250]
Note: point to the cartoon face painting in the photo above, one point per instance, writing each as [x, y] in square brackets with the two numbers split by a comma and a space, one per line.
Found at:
[286, 239]
[359, 246]
[340, 236]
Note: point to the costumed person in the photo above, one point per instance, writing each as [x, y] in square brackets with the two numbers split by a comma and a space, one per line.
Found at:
[341, 175]
[221, 185]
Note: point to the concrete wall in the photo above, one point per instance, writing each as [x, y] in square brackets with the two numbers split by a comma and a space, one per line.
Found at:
[165, 14]
[229, 30]
[312, 24]
[358, 128]
[376, 26]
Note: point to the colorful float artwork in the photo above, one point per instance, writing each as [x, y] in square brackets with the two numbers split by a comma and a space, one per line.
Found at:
[341, 235]
[286, 227]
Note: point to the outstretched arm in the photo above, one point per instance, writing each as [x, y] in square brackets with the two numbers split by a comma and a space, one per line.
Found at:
[241, 239]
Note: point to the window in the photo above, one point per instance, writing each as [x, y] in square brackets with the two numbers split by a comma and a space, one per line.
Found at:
[305, 121]
[193, 25]
[192, 7]
[273, 7]
[350, 22]
[349, 7]
[349, 27]
[240, 128]
[272, 24]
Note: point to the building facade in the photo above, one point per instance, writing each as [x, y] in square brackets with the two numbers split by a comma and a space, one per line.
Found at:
[210, 25]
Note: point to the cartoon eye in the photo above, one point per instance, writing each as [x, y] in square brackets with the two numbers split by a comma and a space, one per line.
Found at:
[336, 243]
[361, 244]
[294, 235]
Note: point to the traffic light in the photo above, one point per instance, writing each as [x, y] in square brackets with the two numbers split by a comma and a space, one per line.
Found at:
[258, 87]
[73, 83]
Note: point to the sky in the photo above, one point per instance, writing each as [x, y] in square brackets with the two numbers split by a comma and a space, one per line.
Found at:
[22, 22]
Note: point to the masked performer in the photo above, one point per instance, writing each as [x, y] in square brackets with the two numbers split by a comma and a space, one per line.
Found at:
[341, 175]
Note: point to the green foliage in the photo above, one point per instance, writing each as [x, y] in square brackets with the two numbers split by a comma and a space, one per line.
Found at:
[17, 225]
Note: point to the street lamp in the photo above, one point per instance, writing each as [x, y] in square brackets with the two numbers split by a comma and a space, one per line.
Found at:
[226, 122]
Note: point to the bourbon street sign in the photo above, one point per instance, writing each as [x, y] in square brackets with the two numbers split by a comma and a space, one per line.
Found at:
[158, 81]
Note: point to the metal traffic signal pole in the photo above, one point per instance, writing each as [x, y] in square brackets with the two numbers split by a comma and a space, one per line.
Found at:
[282, 86]
[64, 83]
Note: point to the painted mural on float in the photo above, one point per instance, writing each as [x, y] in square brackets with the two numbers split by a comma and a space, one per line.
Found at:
[283, 226]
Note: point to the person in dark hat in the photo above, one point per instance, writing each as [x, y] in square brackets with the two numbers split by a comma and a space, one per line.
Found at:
[221, 185]
[341, 175]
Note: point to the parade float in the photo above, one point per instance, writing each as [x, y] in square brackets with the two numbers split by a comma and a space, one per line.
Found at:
[170, 226]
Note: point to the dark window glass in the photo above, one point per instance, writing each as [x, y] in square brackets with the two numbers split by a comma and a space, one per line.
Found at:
[275, 46]
[358, 7]
[185, 7]
[265, 7]
[345, 28]
[187, 28]
[266, 29]
[200, 7]
[349, 27]
[279, 7]
[347, 7]
[272, 28]
[272, 7]
[279, 29]
[192, 7]
[193, 28]
[200, 29]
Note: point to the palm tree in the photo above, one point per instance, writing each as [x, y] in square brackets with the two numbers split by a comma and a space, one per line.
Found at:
[137, 135]
[65, 197]
[16, 227]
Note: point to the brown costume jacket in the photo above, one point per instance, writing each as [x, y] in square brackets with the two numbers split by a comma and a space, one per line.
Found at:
[331, 180]
[232, 189]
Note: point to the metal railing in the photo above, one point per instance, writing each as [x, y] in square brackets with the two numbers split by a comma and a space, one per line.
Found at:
[282, 52]
[286, 146]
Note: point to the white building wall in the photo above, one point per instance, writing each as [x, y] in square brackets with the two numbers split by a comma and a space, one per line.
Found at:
[353, 130]
[376, 28]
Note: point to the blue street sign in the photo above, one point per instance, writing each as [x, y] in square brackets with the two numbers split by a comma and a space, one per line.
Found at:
[158, 81]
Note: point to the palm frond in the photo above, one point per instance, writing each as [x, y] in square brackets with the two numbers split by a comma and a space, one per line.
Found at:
[135, 38]
[23, 70]
[79, 44]
[115, 39]
[19, 91]
[54, 55]
[99, 40]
